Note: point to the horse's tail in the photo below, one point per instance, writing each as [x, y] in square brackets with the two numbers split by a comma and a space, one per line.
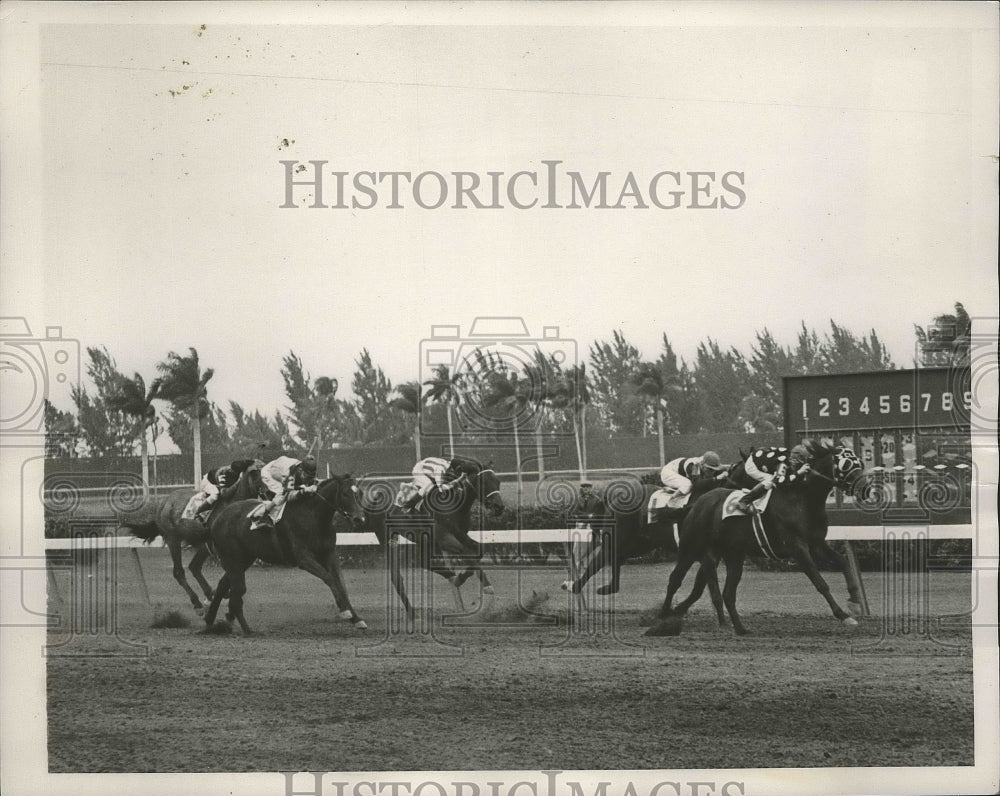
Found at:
[141, 527]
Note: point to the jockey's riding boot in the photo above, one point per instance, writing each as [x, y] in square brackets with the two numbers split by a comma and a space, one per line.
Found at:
[410, 503]
[263, 518]
[745, 503]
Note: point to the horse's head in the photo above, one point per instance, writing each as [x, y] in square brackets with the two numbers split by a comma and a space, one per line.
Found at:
[847, 467]
[833, 465]
[488, 491]
[341, 493]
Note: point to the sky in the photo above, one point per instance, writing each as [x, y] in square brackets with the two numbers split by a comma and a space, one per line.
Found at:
[863, 145]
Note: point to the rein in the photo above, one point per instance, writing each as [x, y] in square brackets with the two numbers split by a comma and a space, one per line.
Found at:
[822, 476]
[488, 494]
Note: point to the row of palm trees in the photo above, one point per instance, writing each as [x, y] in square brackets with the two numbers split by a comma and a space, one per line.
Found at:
[539, 394]
[504, 400]
[183, 383]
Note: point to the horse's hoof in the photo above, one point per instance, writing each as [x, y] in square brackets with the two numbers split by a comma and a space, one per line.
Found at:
[566, 585]
[607, 588]
[200, 610]
[361, 625]
[850, 621]
[854, 608]
[345, 615]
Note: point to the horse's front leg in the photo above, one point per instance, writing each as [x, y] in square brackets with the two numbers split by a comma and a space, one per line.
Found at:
[174, 545]
[195, 565]
[734, 573]
[853, 586]
[330, 574]
[392, 556]
[449, 546]
[584, 567]
[800, 550]
[471, 549]
[617, 556]
[221, 592]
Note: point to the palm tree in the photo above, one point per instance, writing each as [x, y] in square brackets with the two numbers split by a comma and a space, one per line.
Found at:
[408, 399]
[547, 389]
[154, 433]
[575, 396]
[511, 395]
[656, 387]
[132, 399]
[325, 402]
[184, 385]
[445, 388]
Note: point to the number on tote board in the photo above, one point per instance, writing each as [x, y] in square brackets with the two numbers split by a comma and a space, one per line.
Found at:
[904, 405]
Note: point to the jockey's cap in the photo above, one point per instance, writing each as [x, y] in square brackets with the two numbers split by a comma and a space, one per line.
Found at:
[710, 461]
[799, 453]
[309, 464]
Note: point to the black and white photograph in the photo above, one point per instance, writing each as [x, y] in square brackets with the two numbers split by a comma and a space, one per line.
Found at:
[499, 399]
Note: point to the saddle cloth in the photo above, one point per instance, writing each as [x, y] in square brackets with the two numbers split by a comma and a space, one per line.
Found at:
[665, 498]
[729, 507]
[196, 500]
[760, 533]
[274, 511]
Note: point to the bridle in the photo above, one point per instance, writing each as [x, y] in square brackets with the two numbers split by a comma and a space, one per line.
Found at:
[488, 495]
[838, 478]
[336, 509]
[476, 484]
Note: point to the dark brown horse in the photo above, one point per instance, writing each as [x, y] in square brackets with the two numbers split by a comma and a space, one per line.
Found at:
[305, 537]
[162, 516]
[795, 526]
[627, 530]
[446, 515]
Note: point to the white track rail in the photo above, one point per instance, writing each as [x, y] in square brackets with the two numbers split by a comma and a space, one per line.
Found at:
[853, 533]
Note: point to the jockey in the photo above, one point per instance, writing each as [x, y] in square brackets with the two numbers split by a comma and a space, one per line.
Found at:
[770, 467]
[435, 472]
[283, 476]
[678, 478]
[214, 483]
[208, 490]
[678, 475]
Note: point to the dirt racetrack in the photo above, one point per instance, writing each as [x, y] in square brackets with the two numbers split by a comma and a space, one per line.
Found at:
[506, 690]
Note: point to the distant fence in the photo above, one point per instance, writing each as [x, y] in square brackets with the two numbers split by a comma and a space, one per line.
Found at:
[626, 453]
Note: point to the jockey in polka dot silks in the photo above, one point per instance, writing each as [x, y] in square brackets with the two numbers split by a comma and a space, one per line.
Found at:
[432, 472]
[771, 467]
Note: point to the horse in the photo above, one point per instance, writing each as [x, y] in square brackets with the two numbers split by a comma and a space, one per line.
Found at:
[623, 513]
[448, 515]
[163, 516]
[305, 537]
[795, 524]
